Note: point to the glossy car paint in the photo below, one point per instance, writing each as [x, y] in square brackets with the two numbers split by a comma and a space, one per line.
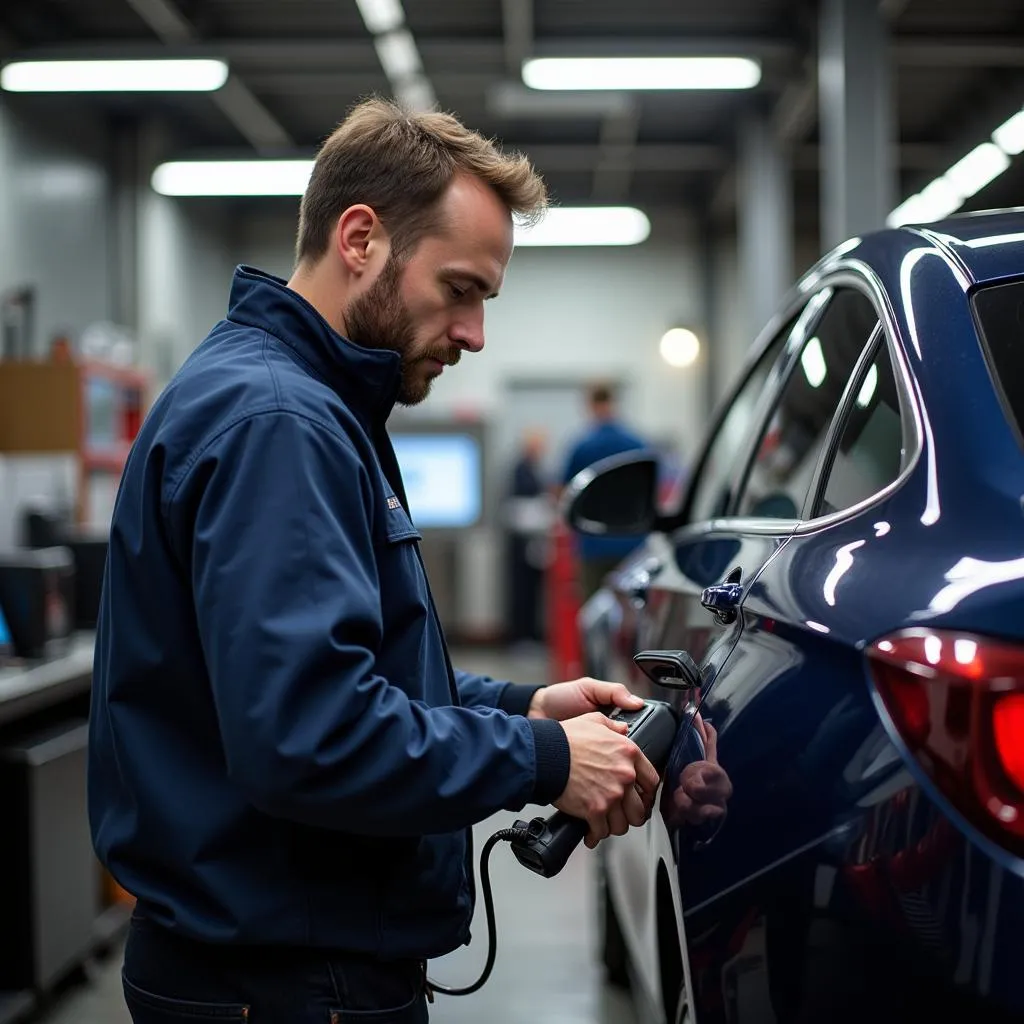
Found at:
[840, 882]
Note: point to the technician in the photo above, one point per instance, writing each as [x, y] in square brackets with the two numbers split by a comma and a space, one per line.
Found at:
[283, 763]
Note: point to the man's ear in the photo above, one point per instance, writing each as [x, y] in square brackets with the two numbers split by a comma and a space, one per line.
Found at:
[357, 238]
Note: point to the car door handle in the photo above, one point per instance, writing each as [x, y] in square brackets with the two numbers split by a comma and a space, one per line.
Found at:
[722, 600]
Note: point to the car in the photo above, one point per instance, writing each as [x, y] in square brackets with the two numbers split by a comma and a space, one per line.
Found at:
[835, 614]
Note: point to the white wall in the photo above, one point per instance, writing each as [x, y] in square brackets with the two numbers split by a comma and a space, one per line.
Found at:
[54, 219]
[184, 279]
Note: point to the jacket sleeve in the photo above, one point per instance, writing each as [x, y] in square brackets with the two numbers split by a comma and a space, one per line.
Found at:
[278, 510]
[483, 692]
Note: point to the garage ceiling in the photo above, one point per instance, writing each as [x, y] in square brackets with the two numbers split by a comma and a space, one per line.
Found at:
[958, 71]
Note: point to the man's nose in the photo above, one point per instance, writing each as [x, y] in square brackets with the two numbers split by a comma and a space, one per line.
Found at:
[468, 332]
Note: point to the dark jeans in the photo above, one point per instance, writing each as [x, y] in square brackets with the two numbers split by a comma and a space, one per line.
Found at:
[169, 979]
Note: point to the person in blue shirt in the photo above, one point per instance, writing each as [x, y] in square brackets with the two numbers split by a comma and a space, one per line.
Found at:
[597, 556]
[283, 762]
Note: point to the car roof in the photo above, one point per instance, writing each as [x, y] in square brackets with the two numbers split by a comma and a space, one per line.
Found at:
[988, 246]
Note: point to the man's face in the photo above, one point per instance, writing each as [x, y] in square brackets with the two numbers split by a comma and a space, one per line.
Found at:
[430, 307]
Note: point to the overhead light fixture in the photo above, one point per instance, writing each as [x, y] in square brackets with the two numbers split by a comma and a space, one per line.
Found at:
[398, 55]
[965, 178]
[641, 73]
[679, 347]
[381, 15]
[233, 177]
[586, 225]
[972, 173]
[1009, 136]
[114, 76]
[936, 201]
[812, 359]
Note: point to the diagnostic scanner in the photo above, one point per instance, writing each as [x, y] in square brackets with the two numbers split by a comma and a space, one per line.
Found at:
[544, 845]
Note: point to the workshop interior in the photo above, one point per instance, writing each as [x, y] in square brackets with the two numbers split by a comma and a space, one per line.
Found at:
[784, 260]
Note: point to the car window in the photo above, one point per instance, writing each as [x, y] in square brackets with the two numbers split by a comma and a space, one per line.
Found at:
[787, 454]
[1000, 313]
[710, 492]
[871, 449]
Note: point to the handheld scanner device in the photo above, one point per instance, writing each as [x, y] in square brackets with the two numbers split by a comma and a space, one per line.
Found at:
[549, 842]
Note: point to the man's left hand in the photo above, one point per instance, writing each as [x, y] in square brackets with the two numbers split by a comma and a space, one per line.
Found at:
[562, 701]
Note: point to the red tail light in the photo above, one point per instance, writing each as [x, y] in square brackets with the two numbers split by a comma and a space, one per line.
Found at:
[957, 701]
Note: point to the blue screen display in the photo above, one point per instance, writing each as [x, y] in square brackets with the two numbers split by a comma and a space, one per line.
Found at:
[5, 633]
[443, 478]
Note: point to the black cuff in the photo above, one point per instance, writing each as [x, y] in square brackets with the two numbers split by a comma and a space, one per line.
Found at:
[552, 752]
[515, 698]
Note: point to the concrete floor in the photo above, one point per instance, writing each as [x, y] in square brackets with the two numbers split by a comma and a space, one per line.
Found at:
[546, 971]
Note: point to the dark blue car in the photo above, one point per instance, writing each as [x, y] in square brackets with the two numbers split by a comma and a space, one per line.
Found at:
[840, 834]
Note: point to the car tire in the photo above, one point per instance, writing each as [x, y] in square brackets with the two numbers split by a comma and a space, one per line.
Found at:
[614, 955]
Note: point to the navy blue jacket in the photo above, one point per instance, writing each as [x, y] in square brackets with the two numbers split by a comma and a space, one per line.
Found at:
[280, 751]
[601, 442]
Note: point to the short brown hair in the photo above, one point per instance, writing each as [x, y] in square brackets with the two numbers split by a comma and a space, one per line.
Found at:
[400, 163]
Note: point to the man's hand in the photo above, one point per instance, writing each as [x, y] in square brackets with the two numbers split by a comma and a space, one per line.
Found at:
[563, 701]
[611, 783]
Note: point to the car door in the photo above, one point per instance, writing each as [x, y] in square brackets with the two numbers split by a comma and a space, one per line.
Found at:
[655, 598]
[785, 699]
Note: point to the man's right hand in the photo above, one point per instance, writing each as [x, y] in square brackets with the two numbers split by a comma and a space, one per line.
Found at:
[611, 783]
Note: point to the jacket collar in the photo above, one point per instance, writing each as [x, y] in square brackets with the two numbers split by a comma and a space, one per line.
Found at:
[367, 379]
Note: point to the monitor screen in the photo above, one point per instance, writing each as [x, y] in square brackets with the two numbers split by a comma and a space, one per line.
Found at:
[6, 641]
[443, 478]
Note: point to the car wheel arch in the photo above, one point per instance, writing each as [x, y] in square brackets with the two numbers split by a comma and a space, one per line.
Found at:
[670, 946]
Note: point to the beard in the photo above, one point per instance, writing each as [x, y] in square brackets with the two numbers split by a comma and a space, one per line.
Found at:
[379, 319]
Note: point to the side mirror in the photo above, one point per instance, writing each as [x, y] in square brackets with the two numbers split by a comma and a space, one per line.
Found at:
[618, 495]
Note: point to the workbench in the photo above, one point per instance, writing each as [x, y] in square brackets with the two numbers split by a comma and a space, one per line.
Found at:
[54, 918]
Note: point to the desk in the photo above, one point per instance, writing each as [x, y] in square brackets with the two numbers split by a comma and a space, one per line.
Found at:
[42, 684]
[52, 685]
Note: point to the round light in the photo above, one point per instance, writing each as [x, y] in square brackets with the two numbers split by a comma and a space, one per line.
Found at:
[679, 347]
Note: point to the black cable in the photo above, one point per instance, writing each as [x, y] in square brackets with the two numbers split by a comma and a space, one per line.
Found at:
[507, 835]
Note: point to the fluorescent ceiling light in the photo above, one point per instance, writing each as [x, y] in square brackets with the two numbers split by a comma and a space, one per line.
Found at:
[910, 211]
[977, 169]
[679, 347]
[939, 199]
[812, 359]
[398, 55]
[586, 225]
[1009, 136]
[381, 15]
[233, 178]
[867, 389]
[641, 73]
[114, 76]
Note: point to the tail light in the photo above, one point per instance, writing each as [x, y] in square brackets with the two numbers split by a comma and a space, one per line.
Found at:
[957, 701]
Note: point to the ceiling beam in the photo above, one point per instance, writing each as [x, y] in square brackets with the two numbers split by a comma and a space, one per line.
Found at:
[908, 50]
[613, 169]
[960, 51]
[243, 109]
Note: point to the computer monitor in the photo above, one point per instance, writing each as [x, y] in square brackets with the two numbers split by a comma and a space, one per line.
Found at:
[443, 476]
[6, 640]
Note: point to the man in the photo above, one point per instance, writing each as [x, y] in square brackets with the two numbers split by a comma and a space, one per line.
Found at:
[606, 437]
[529, 512]
[283, 764]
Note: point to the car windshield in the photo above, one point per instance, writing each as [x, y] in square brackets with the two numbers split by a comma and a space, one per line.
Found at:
[1000, 315]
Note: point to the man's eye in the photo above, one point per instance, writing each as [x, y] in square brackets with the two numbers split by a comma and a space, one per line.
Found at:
[456, 291]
